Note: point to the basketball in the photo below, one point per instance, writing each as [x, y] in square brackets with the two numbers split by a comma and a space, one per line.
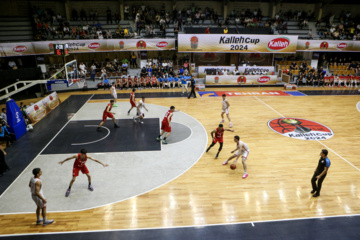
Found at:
[233, 166]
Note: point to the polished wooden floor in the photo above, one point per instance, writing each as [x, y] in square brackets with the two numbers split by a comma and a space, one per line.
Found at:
[280, 169]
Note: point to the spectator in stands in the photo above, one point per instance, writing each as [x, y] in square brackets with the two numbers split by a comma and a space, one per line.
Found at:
[108, 16]
[3, 166]
[5, 135]
[106, 84]
[3, 114]
[207, 31]
[117, 17]
[226, 30]
[12, 64]
[176, 31]
[103, 73]
[124, 68]
[133, 61]
[82, 67]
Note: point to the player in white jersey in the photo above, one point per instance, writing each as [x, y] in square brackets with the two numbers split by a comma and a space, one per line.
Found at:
[114, 93]
[225, 109]
[140, 110]
[241, 149]
[37, 195]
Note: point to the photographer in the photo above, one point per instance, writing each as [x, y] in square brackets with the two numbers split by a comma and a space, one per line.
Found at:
[5, 135]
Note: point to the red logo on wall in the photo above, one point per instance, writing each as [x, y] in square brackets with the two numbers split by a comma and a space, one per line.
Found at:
[263, 79]
[121, 43]
[241, 79]
[94, 45]
[342, 45]
[141, 44]
[278, 44]
[300, 129]
[161, 44]
[324, 45]
[20, 49]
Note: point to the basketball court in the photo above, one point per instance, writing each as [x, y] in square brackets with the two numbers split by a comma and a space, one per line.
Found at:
[177, 191]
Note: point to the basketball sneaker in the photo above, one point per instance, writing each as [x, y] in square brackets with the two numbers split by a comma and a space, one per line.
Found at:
[158, 138]
[217, 155]
[245, 175]
[141, 122]
[226, 162]
[222, 121]
[164, 141]
[231, 125]
[116, 126]
[134, 118]
[38, 222]
[47, 222]
[115, 105]
[90, 188]
[67, 193]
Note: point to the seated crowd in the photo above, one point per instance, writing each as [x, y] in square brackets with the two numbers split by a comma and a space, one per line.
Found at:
[48, 26]
[348, 27]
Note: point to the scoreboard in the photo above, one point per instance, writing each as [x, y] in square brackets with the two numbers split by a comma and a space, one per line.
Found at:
[61, 49]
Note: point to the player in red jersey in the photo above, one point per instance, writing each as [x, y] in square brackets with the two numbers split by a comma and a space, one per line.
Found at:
[107, 114]
[142, 82]
[165, 124]
[219, 133]
[154, 81]
[130, 82]
[123, 82]
[147, 81]
[79, 165]
[132, 100]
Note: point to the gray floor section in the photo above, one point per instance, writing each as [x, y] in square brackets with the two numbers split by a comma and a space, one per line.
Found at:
[129, 173]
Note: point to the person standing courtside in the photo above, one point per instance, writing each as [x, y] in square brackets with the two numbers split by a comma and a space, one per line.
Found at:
[320, 173]
[37, 195]
[192, 85]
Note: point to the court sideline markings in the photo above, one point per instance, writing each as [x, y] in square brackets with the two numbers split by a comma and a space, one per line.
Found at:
[177, 227]
[45, 146]
[315, 140]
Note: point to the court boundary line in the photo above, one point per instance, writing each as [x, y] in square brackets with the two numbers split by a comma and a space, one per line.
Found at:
[315, 139]
[45, 147]
[187, 226]
[358, 106]
[85, 209]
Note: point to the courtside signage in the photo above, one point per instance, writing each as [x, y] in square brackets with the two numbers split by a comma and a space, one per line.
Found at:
[302, 129]
[235, 94]
[236, 43]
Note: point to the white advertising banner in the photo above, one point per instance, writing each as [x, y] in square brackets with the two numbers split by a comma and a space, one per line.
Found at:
[242, 79]
[237, 43]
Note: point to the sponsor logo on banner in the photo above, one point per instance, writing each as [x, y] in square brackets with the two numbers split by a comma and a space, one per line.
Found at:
[20, 49]
[324, 45]
[161, 44]
[307, 45]
[236, 94]
[194, 42]
[241, 79]
[121, 44]
[141, 44]
[278, 44]
[342, 45]
[263, 79]
[94, 45]
[302, 129]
